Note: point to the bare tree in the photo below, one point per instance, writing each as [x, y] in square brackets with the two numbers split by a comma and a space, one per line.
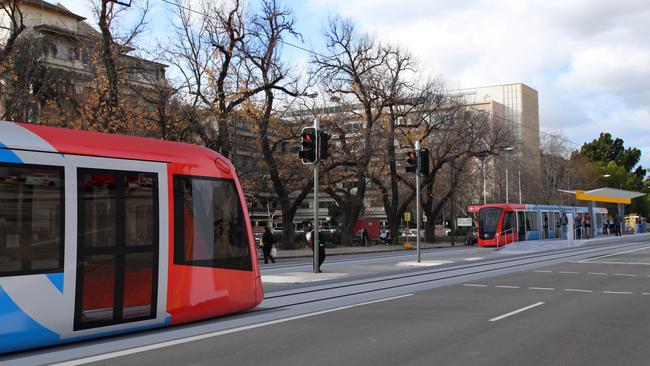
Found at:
[116, 40]
[14, 27]
[352, 70]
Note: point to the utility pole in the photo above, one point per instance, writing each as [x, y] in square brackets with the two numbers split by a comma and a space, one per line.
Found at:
[316, 243]
[453, 204]
[417, 198]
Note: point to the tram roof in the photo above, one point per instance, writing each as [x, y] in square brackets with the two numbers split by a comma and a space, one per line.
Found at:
[77, 142]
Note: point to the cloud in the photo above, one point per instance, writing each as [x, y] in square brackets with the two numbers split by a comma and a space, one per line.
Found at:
[589, 60]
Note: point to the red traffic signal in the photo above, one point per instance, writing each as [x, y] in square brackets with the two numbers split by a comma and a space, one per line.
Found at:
[307, 151]
[411, 162]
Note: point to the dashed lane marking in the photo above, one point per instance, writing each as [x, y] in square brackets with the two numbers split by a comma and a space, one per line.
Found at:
[618, 292]
[569, 272]
[542, 288]
[576, 290]
[543, 271]
[645, 293]
[597, 273]
[507, 286]
[626, 274]
[473, 285]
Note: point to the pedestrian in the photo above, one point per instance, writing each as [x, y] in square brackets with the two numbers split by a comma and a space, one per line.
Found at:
[364, 235]
[267, 245]
[577, 225]
[321, 246]
[617, 224]
[564, 221]
[587, 223]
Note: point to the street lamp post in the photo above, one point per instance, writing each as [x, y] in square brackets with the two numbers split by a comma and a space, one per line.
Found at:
[507, 149]
[482, 156]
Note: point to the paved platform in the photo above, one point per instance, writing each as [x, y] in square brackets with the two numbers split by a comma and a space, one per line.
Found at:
[424, 263]
[301, 277]
[306, 252]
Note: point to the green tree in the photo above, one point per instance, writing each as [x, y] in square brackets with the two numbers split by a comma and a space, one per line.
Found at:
[605, 149]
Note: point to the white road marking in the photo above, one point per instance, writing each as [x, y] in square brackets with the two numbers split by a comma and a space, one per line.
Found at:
[611, 255]
[645, 293]
[542, 288]
[473, 285]
[619, 292]
[569, 272]
[626, 274]
[543, 271]
[516, 311]
[472, 259]
[597, 273]
[628, 263]
[576, 290]
[151, 347]
[506, 286]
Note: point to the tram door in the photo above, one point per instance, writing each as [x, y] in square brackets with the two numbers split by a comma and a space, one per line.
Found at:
[117, 247]
[570, 229]
[521, 225]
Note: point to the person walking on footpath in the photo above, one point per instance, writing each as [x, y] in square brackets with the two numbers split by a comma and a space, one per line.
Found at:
[267, 245]
[321, 246]
[364, 235]
[564, 221]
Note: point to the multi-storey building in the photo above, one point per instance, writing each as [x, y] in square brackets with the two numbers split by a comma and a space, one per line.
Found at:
[517, 105]
[69, 43]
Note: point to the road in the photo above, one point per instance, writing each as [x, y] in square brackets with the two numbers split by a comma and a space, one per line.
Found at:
[579, 306]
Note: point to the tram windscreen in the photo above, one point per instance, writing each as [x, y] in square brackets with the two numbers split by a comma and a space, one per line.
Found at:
[488, 222]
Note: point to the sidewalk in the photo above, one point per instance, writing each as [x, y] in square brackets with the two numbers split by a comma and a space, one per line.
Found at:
[306, 252]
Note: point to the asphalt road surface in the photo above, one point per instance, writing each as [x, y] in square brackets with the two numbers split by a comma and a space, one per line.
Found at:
[574, 306]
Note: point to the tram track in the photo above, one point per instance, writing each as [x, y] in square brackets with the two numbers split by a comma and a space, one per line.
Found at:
[397, 281]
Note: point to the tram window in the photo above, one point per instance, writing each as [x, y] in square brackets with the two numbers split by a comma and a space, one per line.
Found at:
[31, 219]
[509, 221]
[532, 221]
[209, 224]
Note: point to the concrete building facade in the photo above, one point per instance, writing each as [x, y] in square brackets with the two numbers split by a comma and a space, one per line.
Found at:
[517, 104]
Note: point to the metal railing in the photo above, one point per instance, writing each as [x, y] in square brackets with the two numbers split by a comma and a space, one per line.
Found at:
[503, 234]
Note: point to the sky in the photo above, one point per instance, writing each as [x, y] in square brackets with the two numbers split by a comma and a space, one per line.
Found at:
[589, 60]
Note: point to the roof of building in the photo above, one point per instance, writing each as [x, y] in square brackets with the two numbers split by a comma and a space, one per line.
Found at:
[52, 7]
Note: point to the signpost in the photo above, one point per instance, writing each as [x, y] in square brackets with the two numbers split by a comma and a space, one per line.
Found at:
[464, 221]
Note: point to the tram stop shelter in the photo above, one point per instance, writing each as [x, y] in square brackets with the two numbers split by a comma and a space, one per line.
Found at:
[608, 195]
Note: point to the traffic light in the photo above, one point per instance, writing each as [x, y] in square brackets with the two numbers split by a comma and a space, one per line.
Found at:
[411, 162]
[423, 161]
[308, 145]
[323, 139]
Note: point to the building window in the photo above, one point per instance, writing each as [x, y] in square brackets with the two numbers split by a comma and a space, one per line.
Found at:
[209, 226]
[31, 219]
[53, 50]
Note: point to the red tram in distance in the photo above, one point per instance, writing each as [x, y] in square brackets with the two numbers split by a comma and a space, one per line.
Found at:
[105, 234]
[502, 224]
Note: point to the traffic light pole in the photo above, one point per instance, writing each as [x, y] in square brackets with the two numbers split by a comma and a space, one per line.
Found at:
[316, 243]
[417, 198]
